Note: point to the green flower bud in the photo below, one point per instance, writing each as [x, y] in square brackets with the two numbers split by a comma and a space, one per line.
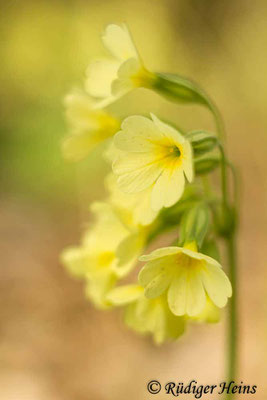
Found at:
[178, 89]
[202, 142]
[206, 164]
[194, 225]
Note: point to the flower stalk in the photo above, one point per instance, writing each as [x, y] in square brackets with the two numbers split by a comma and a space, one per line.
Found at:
[230, 240]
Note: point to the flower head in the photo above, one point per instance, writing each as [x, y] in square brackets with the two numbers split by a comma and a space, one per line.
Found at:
[89, 126]
[152, 155]
[108, 79]
[187, 276]
[108, 252]
[147, 316]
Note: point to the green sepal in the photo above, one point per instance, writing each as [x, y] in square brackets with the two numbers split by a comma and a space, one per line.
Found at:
[194, 225]
[205, 164]
[178, 89]
[202, 141]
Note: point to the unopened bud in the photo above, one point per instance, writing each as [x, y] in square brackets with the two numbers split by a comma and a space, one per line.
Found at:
[202, 142]
[194, 225]
[204, 165]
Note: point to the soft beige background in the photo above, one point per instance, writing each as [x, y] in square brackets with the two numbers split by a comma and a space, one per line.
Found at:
[54, 345]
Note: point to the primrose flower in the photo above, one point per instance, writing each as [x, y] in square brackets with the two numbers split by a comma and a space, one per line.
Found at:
[108, 252]
[108, 79]
[187, 276]
[89, 126]
[147, 316]
[155, 156]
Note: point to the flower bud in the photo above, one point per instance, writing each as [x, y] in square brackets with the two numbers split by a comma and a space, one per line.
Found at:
[206, 164]
[194, 225]
[178, 89]
[202, 142]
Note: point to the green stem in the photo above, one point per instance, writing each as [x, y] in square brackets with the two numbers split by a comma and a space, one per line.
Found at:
[233, 320]
[224, 177]
[231, 253]
[217, 117]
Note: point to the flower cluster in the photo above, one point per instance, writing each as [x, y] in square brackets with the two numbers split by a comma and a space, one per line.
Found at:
[155, 185]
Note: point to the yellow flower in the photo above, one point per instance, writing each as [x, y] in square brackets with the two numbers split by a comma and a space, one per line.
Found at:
[137, 205]
[147, 316]
[108, 79]
[108, 251]
[89, 126]
[152, 155]
[187, 276]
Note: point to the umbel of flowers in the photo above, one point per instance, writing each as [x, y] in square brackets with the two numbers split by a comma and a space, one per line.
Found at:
[157, 182]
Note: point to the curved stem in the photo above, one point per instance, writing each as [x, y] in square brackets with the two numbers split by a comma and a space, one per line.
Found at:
[218, 119]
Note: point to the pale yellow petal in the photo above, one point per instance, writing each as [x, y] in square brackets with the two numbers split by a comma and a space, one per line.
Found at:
[186, 295]
[98, 287]
[129, 68]
[137, 204]
[100, 75]
[143, 213]
[80, 113]
[193, 254]
[196, 297]
[76, 260]
[118, 41]
[126, 294]
[168, 188]
[150, 271]
[210, 260]
[177, 295]
[137, 135]
[132, 162]
[120, 87]
[107, 232]
[217, 285]
[158, 285]
[128, 252]
[77, 147]
[159, 253]
[140, 179]
[174, 136]
[187, 161]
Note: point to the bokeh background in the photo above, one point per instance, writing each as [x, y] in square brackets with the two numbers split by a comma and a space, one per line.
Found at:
[54, 345]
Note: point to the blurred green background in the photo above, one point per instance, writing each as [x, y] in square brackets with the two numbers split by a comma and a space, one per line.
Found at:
[54, 344]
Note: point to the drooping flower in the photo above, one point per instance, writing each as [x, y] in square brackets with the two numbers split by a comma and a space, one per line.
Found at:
[108, 251]
[147, 316]
[187, 276]
[88, 126]
[110, 78]
[153, 155]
